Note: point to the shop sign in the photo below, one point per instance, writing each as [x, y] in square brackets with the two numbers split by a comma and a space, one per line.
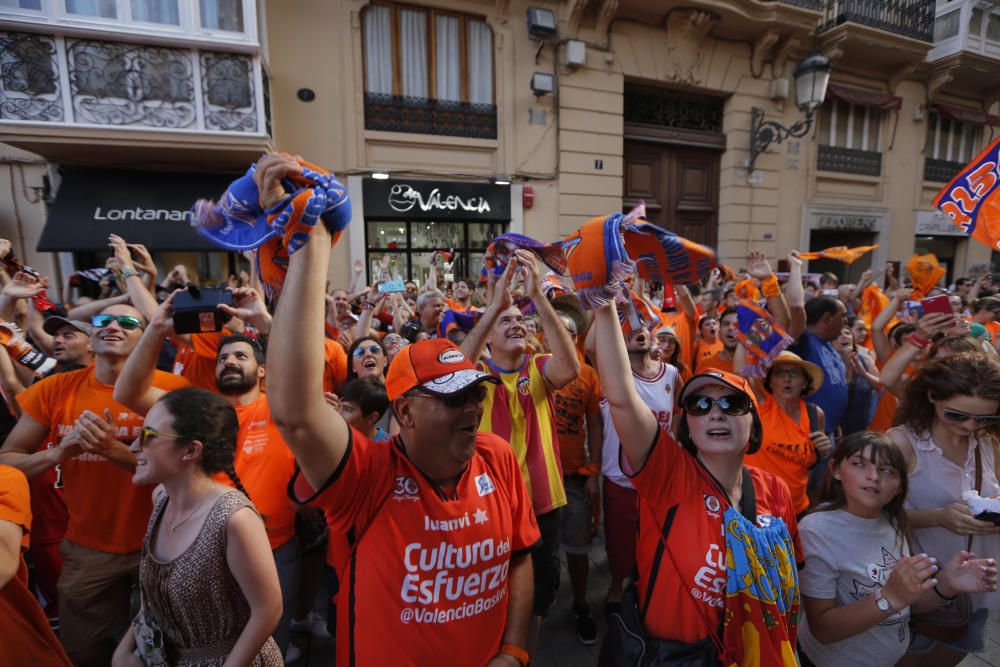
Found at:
[935, 223]
[399, 199]
[857, 223]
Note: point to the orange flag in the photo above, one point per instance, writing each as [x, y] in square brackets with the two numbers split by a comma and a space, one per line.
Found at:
[840, 253]
[925, 271]
[873, 302]
[972, 199]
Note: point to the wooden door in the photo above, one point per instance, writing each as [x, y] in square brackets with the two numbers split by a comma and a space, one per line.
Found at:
[680, 186]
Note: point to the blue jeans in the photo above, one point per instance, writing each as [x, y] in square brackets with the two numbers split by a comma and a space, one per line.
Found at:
[286, 559]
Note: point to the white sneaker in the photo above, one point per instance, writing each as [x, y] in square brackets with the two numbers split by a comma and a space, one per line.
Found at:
[293, 654]
[313, 624]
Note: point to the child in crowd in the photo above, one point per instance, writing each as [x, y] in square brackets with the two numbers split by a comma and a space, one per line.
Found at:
[860, 583]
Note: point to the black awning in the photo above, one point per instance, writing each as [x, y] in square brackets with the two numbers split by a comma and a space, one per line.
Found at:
[145, 207]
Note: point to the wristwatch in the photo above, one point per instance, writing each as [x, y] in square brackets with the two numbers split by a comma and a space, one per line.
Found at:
[883, 603]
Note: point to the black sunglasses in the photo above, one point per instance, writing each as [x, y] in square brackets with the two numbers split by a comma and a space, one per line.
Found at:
[459, 399]
[126, 322]
[699, 405]
[958, 416]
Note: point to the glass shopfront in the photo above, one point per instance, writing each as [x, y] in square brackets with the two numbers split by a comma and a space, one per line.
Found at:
[406, 222]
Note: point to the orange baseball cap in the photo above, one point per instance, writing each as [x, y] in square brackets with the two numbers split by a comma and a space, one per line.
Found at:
[437, 366]
[715, 376]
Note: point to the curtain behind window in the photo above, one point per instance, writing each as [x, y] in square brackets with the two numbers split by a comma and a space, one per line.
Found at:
[103, 8]
[480, 41]
[413, 45]
[449, 86]
[156, 11]
[378, 50]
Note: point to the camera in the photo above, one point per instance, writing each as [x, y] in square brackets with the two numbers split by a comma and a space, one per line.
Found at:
[197, 310]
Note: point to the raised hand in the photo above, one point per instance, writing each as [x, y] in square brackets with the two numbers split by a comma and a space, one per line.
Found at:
[24, 286]
[142, 259]
[271, 169]
[248, 306]
[757, 265]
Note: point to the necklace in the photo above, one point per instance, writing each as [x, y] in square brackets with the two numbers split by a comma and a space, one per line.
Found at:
[174, 525]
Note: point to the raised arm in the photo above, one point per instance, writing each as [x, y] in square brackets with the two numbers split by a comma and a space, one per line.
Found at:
[880, 341]
[564, 366]
[141, 299]
[634, 421]
[317, 435]
[475, 341]
[683, 298]
[795, 296]
[758, 267]
[86, 311]
[134, 387]
[894, 370]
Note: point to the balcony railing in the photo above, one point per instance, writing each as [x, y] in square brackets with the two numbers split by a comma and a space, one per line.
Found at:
[419, 115]
[808, 4]
[941, 171]
[911, 18]
[849, 161]
[69, 81]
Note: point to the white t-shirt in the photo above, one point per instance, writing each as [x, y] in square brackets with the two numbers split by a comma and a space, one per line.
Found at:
[658, 393]
[847, 558]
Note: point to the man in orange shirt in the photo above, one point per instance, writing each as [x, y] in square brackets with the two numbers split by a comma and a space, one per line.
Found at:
[107, 513]
[708, 342]
[985, 311]
[263, 461]
[28, 639]
[442, 526]
[722, 358]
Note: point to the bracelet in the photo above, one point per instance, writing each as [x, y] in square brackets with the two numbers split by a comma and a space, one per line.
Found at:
[518, 653]
[128, 273]
[769, 287]
[942, 595]
[916, 341]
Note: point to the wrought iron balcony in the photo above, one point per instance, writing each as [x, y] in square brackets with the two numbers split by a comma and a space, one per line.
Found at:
[395, 113]
[941, 171]
[849, 161]
[818, 5]
[910, 18]
[72, 82]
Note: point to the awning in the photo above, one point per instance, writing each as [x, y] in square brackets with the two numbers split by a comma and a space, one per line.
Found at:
[864, 97]
[965, 115]
[145, 207]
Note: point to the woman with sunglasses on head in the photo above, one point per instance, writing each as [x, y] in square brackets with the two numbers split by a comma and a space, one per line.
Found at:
[947, 428]
[208, 580]
[722, 583]
[861, 582]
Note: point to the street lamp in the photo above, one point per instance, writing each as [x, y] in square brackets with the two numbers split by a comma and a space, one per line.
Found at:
[811, 77]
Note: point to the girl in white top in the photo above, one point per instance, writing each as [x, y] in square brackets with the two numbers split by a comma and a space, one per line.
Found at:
[860, 582]
[948, 419]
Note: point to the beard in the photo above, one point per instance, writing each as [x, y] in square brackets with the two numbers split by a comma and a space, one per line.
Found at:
[234, 385]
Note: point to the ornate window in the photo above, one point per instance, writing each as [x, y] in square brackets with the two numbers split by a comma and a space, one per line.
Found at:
[850, 138]
[29, 78]
[428, 71]
[227, 80]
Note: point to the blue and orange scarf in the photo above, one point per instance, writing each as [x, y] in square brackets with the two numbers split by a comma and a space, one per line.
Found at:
[237, 222]
[763, 338]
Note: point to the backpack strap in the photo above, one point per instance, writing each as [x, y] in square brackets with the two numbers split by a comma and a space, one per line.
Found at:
[655, 569]
[813, 413]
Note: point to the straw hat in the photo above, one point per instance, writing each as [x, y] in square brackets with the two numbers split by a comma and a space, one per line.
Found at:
[813, 371]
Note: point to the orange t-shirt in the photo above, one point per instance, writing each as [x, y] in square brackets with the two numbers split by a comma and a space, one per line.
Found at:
[705, 349]
[714, 361]
[993, 328]
[196, 361]
[428, 576]
[264, 464]
[885, 411]
[28, 639]
[335, 365]
[690, 590]
[573, 403]
[786, 451]
[107, 512]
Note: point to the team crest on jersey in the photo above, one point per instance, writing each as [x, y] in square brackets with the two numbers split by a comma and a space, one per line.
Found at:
[522, 386]
[764, 520]
[484, 485]
[406, 489]
[712, 503]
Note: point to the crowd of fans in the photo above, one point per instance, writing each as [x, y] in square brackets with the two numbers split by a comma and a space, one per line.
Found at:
[422, 458]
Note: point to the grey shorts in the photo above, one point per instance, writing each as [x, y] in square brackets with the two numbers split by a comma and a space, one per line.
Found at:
[577, 517]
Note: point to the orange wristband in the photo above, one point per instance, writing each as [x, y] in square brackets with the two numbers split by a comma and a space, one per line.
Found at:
[769, 287]
[516, 652]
